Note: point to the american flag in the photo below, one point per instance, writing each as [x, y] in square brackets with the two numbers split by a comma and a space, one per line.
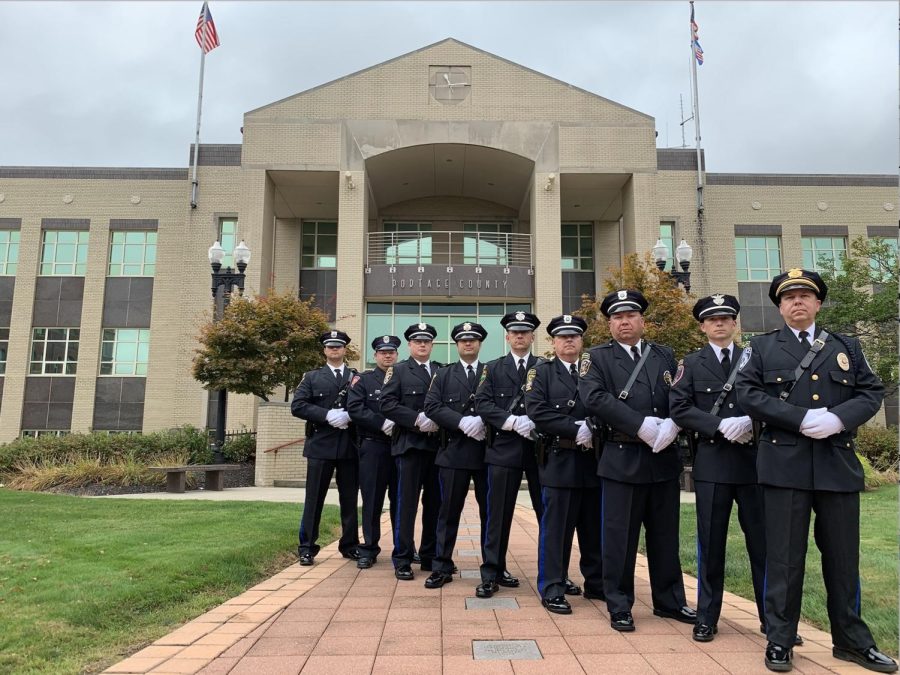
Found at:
[695, 40]
[211, 40]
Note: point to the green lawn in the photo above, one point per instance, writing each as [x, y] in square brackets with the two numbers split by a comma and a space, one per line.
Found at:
[84, 582]
[878, 565]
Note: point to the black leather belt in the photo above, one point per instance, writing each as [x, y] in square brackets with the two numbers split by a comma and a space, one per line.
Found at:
[377, 439]
[619, 437]
[565, 444]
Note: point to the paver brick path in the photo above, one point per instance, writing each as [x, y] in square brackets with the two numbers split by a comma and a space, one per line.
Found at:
[334, 618]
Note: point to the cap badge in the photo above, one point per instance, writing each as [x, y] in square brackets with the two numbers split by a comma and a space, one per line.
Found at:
[423, 326]
[718, 299]
[386, 339]
[467, 326]
[623, 295]
[567, 318]
[334, 333]
[843, 361]
[795, 273]
[520, 316]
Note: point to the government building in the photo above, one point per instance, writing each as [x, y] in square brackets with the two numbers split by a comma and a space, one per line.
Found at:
[446, 184]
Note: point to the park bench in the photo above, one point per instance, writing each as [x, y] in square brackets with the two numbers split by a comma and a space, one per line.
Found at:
[215, 475]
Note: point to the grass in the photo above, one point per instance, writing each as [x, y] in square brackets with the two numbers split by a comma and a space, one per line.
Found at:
[85, 582]
[878, 566]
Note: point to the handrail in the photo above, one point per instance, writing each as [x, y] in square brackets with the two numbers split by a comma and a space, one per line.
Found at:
[284, 445]
[482, 249]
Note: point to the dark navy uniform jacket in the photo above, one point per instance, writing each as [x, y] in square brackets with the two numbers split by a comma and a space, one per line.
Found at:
[312, 400]
[697, 387]
[498, 388]
[631, 461]
[449, 399]
[554, 405]
[839, 378]
[363, 407]
[402, 399]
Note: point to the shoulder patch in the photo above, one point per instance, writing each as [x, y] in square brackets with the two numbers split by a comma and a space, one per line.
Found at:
[585, 364]
[353, 381]
[745, 357]
[679, 373]
[667, 377]
[529, 379]
[483, 375]
[388, 374]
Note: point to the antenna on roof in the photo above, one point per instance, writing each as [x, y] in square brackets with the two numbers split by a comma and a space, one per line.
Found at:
[683, 121]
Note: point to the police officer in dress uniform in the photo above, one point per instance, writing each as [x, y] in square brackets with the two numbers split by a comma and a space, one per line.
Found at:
[377, 470]
[703, 401]
[500, 401]
[570, 488]
[450, 402]
[414, 442]
[811, 391]
[320, 400]
[640, 463]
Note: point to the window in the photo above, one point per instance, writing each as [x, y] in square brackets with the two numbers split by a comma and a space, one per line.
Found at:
[132, 254]
[9, 252]
[64, 253]
[577, 246]
[885, 269]
[36, 433]
[125, 351]
[319, 248]
[667, 235]
[54, 351]
[407, 243]
[4, 347]
[228, 239]
[757, 258]
[818, 249]
[486, 244]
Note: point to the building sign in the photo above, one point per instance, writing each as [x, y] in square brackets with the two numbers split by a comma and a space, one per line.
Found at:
[461, 280]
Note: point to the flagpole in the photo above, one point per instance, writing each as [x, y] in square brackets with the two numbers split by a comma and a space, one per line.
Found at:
[194, 183]
[696, 116]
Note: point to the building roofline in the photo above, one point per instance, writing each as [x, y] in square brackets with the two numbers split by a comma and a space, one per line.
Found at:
[804, 180]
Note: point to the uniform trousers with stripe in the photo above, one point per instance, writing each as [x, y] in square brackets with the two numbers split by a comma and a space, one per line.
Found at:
[714, 502]
[626, 507]
[836, 534]
[318, 479]
[567, 510]
[454, 488]
[377, 475]
[416, 475]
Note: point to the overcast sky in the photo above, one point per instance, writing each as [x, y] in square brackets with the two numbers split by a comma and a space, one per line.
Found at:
[806, 87]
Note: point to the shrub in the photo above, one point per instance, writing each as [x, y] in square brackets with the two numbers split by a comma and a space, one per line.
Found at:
[872, 478]
[240, 448]
[879, 446]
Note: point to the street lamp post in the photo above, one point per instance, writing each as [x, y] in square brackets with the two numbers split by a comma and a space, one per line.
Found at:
[683, 255]
[226, 279]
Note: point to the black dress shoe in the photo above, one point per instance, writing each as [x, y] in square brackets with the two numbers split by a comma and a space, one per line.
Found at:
[572, 588]
[557, 605]
[508, 580]
[798, 639]
[778, 658]
[404, 573]
[438, 579]
[622, 621]
[365, 563]
[869, 658]
[486, 590]
[684, 615]
[306, 559]
[416, 559]
[352, 554]
[703, 632]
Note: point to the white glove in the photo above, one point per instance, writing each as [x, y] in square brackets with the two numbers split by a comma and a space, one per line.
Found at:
[523, 426]
[426, 426]
[734, 427]
[649, 430]
[668, 430]
[338, 418]
[472, 426]
[822, 426]
[387, 427]
[810, 417]
[584, 436]
[478, 430]
[744, 438]
[510, 423]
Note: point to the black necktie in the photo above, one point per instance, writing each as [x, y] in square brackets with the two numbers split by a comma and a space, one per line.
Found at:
[803, 336]
[635, 354]
[337, 377]
[470, 374]
[573, 371]
[425, 368]
[521, 369]
[726, 362]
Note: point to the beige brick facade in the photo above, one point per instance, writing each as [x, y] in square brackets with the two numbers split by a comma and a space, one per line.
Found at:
[408, 157]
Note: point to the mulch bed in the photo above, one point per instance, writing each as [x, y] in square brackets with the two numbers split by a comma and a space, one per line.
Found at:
[243, 477]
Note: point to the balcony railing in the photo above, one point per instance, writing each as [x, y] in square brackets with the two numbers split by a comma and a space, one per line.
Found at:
[482, 249]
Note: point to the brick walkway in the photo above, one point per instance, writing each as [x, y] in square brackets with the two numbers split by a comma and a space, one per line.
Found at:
[334, 618]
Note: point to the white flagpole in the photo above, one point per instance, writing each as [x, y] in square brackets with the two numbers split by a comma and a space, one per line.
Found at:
[696, 115]
[194, 183]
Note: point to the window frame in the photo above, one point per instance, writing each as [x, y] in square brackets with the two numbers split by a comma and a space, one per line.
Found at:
[145, 245]
[78, 269]
[584, 253]
[66, 362]
[10, 240]
[228, 260]
[316, 256]
[113, 362]
[669, 241]
[761, 274]
[4, 350]
[423, 253]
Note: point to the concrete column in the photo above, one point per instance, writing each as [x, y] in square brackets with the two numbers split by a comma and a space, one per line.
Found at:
[546, 235]
[352, 218]
[640, 213]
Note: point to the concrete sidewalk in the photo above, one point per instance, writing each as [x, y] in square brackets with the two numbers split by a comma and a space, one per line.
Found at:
[334, 618]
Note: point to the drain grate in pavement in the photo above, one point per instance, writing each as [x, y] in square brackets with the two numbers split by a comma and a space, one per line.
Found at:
[470, 574]
[491, 603]
[516, 650]
[469, 553]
